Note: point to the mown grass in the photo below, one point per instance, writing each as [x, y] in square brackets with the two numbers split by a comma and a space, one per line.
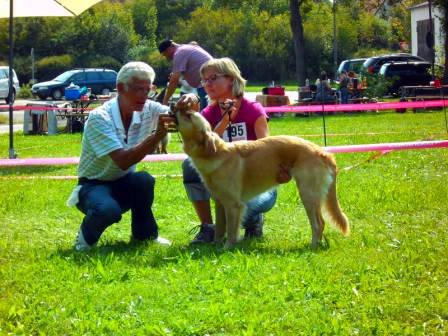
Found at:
[389, 277]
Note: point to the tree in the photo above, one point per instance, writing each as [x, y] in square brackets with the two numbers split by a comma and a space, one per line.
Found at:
[298, 39]
[443, 6]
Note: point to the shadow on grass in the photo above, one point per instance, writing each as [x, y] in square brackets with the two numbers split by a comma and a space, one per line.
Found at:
[154, 255]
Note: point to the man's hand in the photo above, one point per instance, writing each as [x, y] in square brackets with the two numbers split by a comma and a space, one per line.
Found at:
[167, 123]
[283, 175]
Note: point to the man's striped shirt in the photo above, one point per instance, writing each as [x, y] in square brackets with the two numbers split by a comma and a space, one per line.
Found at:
[104, 132]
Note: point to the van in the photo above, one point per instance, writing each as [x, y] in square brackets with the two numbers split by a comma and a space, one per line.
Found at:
[354, 65]
[100, 81]
[373, 64]
[4, 84]
[410, 73]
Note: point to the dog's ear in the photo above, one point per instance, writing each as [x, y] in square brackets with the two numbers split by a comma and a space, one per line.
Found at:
[207, 137]
[209, 143]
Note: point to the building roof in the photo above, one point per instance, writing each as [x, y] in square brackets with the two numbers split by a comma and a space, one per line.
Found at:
[423, 4]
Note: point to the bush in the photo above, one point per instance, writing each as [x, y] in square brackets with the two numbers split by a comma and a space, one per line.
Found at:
[377, 85]
[49, 67]
[161, 67]
[25, 91]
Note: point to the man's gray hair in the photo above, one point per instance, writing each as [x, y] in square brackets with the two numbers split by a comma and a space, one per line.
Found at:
[139, 70]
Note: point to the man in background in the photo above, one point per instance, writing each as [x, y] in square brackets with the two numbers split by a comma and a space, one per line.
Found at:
[186, 59]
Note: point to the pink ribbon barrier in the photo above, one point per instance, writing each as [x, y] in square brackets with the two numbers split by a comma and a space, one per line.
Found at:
[75, 160]
[181, 156]
[387, 146]
[4, 108]
[290, 108]
[357, 107]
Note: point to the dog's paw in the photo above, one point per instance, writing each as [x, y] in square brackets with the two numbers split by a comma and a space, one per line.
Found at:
[323, 244]
[229, 245]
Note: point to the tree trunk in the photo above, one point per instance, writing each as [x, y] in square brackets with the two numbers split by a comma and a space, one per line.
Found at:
[299, 40]
[444, 10]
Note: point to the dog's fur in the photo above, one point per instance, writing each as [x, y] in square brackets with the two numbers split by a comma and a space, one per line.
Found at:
[236, 172]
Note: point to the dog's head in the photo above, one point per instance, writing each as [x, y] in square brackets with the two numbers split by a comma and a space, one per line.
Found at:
[196, 132]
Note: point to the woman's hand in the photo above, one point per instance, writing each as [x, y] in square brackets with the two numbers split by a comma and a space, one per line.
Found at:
[283, 175]
[188, 100]
[229, 106]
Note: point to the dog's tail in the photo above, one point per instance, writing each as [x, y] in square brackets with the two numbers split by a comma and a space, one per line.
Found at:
[333, 209]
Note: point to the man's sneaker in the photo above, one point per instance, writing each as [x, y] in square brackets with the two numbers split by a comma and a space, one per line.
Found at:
[255, 231]
[80, 243]
[206, 234]
[162, 241]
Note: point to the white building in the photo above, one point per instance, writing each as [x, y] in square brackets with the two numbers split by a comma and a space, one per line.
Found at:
[420, 28]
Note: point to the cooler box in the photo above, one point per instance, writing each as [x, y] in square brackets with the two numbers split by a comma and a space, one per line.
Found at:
[274, 91]
[72, 93]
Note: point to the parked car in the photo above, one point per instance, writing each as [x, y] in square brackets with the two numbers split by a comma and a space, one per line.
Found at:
[406, 73]
[354, 64]
[373, 64]
[4, 84]
[100, 81]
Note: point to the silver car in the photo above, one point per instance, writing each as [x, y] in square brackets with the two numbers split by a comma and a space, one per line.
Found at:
[4, 84]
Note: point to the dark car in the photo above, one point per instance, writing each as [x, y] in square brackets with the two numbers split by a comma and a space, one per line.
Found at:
[373, 64]
[100, 81]
[406, 73]
[353, 64]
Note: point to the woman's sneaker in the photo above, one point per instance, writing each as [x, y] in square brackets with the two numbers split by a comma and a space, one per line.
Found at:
[206, 234]
[255, 231]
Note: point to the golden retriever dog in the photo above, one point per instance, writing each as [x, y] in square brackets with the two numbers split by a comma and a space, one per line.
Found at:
[236, 172]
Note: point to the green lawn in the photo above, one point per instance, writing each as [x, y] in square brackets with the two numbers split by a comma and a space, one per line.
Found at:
[389, 277]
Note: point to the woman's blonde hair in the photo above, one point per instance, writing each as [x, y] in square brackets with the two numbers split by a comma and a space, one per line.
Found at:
[227, 66]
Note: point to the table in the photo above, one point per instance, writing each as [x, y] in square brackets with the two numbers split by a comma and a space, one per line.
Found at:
[76, 112]
[40, 118]
[423, 91]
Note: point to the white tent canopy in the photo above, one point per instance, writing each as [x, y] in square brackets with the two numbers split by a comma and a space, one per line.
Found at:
[30, 8]
[34, 8]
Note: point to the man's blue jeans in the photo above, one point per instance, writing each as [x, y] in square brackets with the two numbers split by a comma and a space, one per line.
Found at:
[103, 203]
[203, 102]
[197, 191]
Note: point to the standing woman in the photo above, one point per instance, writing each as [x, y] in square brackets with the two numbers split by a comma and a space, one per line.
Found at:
[234, 118]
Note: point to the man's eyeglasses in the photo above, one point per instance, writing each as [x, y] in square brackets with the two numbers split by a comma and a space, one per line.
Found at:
[139, 89]
[211, 79]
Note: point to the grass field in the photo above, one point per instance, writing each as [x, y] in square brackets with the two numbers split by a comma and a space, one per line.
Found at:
[389, 277]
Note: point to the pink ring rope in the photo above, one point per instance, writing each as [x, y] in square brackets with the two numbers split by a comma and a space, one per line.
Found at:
[181, 156]
[357, 107]
[287, 108]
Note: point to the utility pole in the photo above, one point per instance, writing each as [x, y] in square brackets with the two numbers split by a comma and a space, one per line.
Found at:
[12, 152]
[32, 67]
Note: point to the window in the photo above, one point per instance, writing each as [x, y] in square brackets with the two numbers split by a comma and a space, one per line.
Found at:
[109, 75]
[93, 76]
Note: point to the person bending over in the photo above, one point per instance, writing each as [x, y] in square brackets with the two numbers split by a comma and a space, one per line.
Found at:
[186, 59]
